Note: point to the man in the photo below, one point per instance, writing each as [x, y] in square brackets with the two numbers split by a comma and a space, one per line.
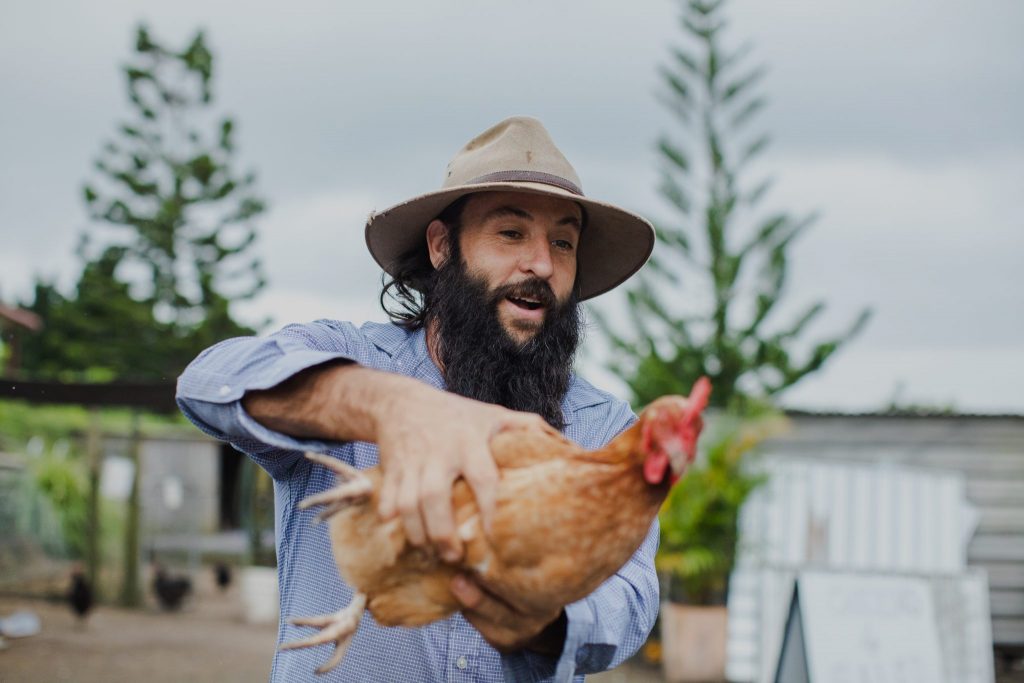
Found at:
[488, 273]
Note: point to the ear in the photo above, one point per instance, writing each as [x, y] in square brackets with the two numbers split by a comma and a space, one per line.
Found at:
[437, 242]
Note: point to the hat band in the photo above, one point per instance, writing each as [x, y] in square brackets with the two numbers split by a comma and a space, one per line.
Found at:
[528, 177]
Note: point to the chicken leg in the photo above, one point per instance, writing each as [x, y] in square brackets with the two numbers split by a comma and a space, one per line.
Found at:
[338, 627]
[355, 486]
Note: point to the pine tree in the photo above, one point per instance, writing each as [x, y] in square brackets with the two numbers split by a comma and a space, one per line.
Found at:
[170, 247]
[718, 246]
[169, 194]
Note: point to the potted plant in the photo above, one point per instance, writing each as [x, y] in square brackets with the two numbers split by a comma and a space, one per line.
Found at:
[698, 546]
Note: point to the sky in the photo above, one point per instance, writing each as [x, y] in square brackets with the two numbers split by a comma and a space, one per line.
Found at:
[897, 121]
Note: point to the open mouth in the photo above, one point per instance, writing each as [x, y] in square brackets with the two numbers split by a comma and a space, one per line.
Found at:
[528, 304]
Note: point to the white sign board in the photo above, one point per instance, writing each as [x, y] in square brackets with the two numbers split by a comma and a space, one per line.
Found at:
[861, 629]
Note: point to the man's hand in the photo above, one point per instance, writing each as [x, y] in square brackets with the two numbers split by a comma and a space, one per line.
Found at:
[507, 628]
[427, 440]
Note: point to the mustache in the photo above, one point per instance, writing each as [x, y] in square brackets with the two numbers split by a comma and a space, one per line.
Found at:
[533, 288]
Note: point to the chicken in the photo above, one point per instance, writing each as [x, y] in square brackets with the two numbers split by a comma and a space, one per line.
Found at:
[553, 538]
[170, 590]
[80, 595]
[222, 574]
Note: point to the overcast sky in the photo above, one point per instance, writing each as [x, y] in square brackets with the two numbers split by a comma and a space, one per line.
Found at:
[898, 120]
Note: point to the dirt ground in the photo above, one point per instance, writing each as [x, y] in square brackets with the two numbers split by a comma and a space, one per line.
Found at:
[206, 642]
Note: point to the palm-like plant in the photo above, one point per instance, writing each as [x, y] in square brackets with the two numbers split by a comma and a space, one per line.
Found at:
[699, 518]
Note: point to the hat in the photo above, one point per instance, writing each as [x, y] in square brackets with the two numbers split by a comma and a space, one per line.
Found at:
[518, 155]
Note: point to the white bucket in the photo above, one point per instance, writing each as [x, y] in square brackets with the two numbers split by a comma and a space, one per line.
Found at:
[258, 587]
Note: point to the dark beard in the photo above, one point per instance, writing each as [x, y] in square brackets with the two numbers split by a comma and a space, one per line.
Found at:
[480, 359]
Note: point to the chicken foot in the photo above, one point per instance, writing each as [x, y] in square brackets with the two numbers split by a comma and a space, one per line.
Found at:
[355, 486]
[337, 628]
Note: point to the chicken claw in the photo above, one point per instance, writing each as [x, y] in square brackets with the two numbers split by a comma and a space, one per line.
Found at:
[354, 487]
[337, 628]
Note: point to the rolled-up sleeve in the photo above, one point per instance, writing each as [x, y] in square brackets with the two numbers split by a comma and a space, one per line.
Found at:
[211, 388]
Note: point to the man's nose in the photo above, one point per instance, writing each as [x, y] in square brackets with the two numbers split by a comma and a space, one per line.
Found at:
[536, 258]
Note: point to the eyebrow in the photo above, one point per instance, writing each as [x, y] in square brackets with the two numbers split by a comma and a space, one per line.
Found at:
[517, 212]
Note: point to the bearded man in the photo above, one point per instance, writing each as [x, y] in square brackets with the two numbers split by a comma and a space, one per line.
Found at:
[488, 274]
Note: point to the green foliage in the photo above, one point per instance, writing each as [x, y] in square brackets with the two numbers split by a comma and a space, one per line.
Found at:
[21, 421]
[703, 305]
[171, 243]
[100, 332]
[62, 480]
[699, 517]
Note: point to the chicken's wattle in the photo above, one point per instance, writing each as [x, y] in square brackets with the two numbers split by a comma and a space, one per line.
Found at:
[654, 468]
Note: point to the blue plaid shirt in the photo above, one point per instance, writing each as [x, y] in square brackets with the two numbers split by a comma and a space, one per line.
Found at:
[603, 629]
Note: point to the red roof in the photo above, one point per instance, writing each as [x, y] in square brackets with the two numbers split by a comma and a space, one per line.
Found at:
[18, 316]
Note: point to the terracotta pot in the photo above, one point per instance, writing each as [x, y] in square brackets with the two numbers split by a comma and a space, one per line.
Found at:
[693, 643]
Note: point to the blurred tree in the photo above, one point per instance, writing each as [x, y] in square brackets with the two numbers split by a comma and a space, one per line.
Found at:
[100, 332]
[718, 249]
[171, 244]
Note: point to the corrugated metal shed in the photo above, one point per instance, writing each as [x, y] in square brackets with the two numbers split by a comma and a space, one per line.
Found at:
[978, 458]
[849, 516]
[988, 450]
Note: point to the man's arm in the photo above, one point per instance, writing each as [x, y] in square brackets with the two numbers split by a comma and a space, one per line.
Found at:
[427, 438]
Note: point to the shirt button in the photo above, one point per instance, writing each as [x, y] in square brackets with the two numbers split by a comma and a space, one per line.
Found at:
[224, 390]
[462, 662]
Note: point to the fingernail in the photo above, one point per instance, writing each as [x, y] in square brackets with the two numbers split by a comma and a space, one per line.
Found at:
[450, 555]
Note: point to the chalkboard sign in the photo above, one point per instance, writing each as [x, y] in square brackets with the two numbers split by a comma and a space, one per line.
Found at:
[849, 628]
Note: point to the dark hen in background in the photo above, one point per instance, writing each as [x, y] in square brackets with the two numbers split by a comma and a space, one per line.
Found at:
[223, 575]
[80, 595]
[170, 590]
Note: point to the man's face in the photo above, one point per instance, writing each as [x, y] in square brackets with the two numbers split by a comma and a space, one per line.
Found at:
[523, 245]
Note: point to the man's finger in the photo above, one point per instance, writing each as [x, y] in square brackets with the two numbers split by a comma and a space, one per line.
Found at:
[482, 476]
[408, 504]
[436, 509]
[466, 591]
[386, 505]
[478, 602]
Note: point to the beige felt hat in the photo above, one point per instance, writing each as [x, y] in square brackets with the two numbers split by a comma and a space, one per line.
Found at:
[519, 155]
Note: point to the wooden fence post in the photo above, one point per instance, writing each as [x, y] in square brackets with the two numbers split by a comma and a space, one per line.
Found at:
[93, 453]
[130, 593]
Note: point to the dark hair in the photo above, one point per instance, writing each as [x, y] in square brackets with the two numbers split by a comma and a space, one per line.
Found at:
[414, 276]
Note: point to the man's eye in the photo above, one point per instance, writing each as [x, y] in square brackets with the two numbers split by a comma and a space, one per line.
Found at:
[564, 245]
[511, 233]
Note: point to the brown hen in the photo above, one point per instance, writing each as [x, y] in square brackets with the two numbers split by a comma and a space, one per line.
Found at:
[554, 538]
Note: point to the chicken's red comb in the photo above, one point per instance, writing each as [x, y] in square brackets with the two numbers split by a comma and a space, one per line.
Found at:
[697, 401]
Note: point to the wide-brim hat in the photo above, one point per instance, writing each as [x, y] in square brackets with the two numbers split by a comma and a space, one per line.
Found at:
[518, 155]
